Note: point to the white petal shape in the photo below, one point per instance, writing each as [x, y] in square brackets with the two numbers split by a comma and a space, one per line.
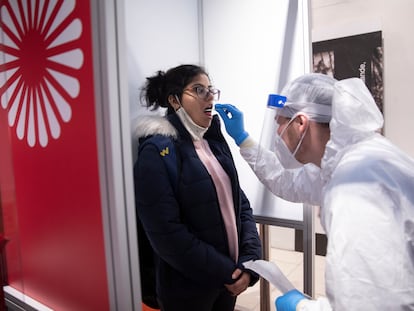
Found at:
[64, 11]
[8, 57]
[4, 99]
[7, 75]
[6, 95]
[72, 32]
[50, 7]
[31, 134]
[51, 117]
[41, 4]
[14, 107]
[21, 123]
[5, 39]
[61, 104]
[41, 123]
[7, 20]
[73, 58]
[10, 73]
[69, 83]
[24, 16]
[38, 10]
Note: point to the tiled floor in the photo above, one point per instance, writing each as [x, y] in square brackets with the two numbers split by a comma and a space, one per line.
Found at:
[291, 263]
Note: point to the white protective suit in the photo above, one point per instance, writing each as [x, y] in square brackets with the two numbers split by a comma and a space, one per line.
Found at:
[365, 188]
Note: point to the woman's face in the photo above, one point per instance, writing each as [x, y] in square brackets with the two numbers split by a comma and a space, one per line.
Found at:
[198, 108]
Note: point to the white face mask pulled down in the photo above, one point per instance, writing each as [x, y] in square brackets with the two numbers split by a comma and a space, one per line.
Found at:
[197, 132]
[286, 157]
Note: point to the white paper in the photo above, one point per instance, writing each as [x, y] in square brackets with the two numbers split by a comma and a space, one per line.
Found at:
[271, 273]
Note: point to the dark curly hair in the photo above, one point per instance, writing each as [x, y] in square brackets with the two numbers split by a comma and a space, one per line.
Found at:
[158, 88]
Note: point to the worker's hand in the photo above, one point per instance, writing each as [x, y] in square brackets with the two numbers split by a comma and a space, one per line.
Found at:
[289, 300]
[233, 121]
[241, 283]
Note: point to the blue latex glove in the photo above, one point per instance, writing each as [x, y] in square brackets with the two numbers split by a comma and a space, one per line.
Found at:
[233, 121]
[289, 301]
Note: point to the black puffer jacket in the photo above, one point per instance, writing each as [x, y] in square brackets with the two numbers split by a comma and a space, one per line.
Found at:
[184, 224]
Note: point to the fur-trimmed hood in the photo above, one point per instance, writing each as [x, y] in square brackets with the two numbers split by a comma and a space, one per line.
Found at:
[149, 125]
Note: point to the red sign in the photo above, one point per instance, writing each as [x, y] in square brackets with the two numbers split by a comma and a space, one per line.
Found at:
[50, 187]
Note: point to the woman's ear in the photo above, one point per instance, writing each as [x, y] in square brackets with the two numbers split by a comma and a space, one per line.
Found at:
[174, 102]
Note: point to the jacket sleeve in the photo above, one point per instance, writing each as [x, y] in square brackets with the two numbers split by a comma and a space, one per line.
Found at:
[250, 247]
[169, 236]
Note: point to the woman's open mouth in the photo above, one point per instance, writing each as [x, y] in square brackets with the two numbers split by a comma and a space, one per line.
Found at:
[208, 110]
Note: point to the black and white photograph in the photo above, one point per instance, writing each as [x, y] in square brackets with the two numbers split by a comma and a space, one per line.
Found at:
[353, 56]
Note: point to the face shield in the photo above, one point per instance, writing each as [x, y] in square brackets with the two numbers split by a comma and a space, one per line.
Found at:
[274, 140]
[309, 95]
[270, 123]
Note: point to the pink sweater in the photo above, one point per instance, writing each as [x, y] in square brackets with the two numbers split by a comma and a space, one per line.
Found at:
[224, 193]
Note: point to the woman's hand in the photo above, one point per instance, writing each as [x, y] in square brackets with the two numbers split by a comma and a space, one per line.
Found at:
[241, 283]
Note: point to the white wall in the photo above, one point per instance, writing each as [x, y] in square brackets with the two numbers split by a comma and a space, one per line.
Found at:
[252, 48]
[240, 42]
[338, 18]
[160, 34]
[243, 52]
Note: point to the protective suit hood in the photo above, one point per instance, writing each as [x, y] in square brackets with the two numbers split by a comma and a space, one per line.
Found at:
[355, 117]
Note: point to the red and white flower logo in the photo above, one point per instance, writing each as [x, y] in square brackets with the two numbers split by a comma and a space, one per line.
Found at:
[39, 63]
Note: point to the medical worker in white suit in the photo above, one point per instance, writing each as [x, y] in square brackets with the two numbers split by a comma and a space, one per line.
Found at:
[329, 151]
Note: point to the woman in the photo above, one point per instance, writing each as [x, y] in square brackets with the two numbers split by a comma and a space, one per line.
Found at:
[199, 225]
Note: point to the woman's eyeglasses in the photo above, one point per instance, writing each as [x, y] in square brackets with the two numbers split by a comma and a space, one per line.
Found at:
[204, 92]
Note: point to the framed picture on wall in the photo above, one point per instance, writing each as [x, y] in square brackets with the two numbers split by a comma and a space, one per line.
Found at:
[346, 57]
[354, 56]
